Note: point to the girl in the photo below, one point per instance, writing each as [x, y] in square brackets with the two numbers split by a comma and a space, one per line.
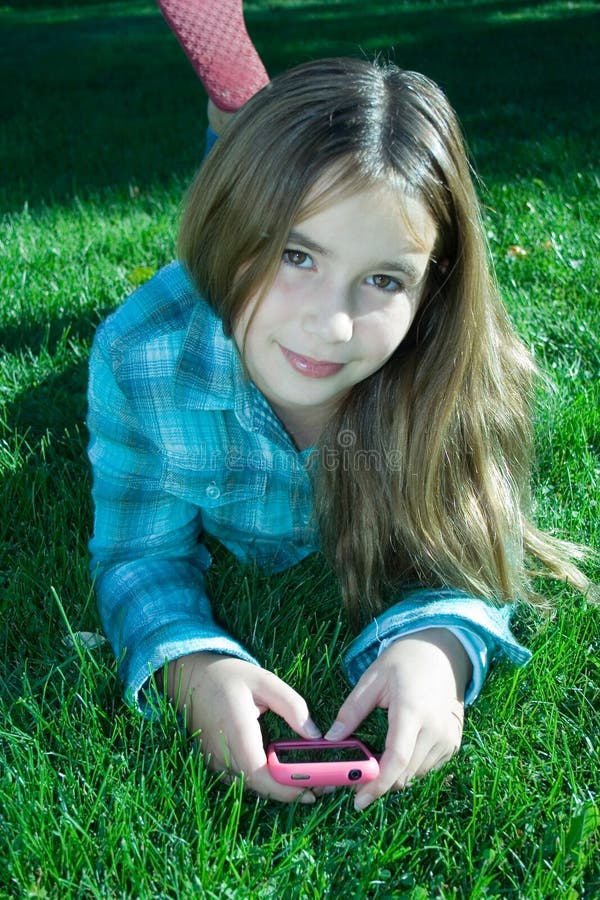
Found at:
[328, 366]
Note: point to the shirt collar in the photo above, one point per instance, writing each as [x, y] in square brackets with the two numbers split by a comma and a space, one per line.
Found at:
[210, 375]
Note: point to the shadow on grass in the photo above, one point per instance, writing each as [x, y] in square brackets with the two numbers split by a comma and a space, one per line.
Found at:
[102, 96]
[45, 501]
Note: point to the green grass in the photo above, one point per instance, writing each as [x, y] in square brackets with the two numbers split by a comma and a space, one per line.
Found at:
[101, 123]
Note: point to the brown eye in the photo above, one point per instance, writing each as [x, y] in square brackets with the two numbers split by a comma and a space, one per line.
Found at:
[297, 258]
[385, 283]
[381, 281]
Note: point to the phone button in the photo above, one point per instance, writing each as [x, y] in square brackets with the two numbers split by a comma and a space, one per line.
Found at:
[299, 777]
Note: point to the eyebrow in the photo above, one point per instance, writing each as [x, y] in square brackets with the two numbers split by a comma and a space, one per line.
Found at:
[298, 238]
[409, 270]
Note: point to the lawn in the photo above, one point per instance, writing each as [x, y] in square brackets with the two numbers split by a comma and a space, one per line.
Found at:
[101, 127]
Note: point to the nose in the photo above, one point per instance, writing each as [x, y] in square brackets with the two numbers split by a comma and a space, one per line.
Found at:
[330, 320]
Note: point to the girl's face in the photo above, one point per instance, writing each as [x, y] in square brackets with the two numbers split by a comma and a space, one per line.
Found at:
[347, 290]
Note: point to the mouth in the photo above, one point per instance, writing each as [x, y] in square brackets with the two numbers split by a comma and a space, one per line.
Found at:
[311, 368]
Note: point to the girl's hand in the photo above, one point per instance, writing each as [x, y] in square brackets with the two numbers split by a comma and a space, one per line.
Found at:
[222, 698]
[420, 680]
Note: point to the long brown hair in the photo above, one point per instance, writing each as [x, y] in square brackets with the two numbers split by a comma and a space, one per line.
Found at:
[423, 475]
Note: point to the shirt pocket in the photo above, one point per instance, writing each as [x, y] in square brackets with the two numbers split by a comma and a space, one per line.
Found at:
[196, 478]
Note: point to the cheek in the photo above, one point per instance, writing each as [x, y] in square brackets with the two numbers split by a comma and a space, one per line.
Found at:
[260, 319]
[388, 329]
[287, 285]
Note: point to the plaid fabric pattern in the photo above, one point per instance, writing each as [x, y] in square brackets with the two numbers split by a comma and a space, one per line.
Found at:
[181, 444]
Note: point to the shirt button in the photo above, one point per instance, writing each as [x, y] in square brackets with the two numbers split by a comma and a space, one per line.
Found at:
[212, 491]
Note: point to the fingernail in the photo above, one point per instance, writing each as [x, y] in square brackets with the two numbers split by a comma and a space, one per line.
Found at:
[329, 789]
[311, 729]
[307, 798]
[335, 732]
[362, 801]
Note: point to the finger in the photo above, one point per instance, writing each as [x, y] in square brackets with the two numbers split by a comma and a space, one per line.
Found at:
[361, 701]
[244, 755]
[424, 758]
[271, 790]
[430, 753]
[458, 712]
[401, 740]
[435, 759]
[442, 749]
[261, 782]
[273, 693]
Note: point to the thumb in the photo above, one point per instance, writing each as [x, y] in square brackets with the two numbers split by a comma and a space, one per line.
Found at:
[356, 707]
[283, 700]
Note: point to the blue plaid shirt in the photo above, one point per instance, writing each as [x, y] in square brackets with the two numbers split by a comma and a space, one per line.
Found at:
[181, 444]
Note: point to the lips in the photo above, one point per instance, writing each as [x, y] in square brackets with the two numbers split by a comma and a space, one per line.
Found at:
[311, 368]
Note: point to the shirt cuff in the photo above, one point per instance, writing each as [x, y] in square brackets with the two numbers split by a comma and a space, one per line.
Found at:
[154, 611]
[161, 650]
[480, 622]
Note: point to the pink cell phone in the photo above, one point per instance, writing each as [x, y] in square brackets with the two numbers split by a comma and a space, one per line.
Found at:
[324, 763]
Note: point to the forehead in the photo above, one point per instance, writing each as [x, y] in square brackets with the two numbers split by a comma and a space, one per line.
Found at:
[371, 213]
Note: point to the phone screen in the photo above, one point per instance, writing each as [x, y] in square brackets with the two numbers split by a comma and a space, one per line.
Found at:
[317, 755]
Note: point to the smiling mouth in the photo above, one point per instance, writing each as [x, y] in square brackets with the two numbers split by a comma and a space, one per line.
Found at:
[311, 368]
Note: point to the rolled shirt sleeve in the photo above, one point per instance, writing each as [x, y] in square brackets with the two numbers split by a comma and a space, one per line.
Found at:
[483, 630]
[147, 560]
